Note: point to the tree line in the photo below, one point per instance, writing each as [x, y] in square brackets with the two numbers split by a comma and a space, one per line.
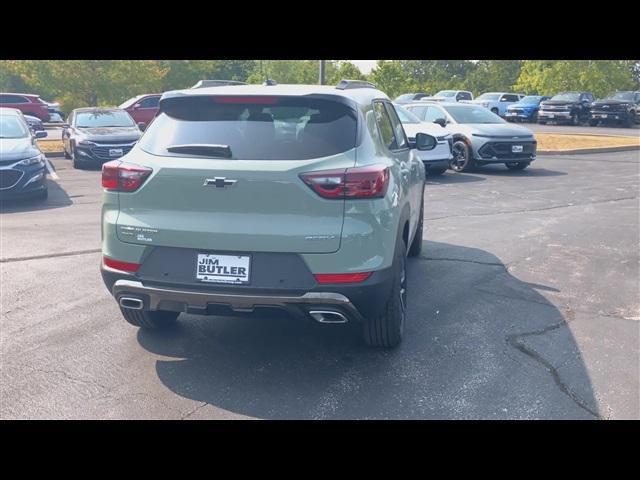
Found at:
[79, 83]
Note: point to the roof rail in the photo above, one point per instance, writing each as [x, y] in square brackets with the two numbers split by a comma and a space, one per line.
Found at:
[216, 83]
[349, 84]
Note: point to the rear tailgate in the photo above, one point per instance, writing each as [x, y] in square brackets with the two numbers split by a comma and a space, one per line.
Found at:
[252, 201]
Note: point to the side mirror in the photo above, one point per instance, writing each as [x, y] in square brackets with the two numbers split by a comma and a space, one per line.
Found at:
[425, 142]
[41, 134]
[142, 126]
[441, 121]
[136, 106]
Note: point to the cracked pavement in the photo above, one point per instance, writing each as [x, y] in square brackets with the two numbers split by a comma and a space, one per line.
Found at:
[524, 305]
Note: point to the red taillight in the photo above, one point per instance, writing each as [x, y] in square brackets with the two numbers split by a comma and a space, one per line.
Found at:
[360, 182]
[123, 177]
[118, 265]
[342, 277]
[261, 100]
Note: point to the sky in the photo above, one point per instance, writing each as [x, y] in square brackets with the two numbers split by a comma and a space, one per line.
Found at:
[365, 66]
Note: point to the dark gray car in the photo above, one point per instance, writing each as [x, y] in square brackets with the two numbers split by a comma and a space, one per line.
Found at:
[23, 171]
[94, 136]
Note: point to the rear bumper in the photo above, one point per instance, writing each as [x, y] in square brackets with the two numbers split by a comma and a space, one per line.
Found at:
[355, 301]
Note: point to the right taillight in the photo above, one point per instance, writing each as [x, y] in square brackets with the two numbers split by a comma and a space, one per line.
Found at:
[358, 182]
[123, 177]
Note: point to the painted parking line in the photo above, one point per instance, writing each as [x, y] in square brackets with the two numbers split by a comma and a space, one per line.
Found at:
[50, 169]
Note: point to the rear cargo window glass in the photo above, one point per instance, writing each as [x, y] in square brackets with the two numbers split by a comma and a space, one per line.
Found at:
[256, 128]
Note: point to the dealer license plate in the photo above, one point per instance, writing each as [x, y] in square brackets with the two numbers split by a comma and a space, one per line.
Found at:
[516, 148]
[115, 152]
[232, 269]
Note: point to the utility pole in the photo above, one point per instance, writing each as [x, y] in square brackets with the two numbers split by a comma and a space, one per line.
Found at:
[322, 72]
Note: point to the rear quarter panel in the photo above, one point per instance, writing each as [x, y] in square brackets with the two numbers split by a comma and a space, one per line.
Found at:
[371, 227]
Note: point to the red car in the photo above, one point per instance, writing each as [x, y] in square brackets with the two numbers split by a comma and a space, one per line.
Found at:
[28, 104]
[142, 108]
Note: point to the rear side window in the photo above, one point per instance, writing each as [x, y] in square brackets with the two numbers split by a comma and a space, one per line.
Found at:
[13, 99]
[254, 128]
[385, 127]
[149, 102]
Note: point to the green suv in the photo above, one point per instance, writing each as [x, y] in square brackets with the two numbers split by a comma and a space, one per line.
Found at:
[249, 198]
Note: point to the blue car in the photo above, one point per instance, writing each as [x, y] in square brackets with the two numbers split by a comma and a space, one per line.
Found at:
[526, 110]
[23, 170]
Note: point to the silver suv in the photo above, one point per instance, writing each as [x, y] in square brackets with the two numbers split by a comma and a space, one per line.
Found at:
[245, 199]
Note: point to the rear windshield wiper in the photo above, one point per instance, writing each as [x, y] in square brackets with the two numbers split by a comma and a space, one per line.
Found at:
[204, 149]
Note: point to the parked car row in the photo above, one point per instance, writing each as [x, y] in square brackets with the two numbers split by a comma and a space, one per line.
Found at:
[32, 105]
[575, 108]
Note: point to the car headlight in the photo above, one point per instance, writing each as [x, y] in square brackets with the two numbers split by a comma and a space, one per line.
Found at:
[86, 143]
[33, 160]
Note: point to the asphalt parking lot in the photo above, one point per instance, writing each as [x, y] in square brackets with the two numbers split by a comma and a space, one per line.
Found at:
[523, 305]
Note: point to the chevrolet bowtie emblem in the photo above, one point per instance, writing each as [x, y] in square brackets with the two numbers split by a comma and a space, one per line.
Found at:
[219, 182]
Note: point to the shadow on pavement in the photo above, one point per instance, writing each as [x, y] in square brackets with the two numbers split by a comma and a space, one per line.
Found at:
[530, 172]
[58, 198]
[469, 352]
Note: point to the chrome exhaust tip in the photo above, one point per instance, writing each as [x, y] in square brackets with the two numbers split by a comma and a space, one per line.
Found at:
[131, 303]
[327, 316]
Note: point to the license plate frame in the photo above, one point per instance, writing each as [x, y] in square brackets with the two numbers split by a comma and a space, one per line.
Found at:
[223, 268]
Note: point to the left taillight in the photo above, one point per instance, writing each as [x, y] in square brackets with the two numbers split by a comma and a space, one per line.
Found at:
[123, 177]
[358, 182]
[120, 265]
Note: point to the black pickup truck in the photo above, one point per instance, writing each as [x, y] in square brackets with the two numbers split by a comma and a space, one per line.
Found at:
[619, 107]
[567, 107]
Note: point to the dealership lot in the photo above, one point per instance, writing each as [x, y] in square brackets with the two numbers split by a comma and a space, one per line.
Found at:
[523, 305]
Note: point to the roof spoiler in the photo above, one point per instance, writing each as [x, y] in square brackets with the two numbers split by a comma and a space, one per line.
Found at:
[349, 84]
[216, 83]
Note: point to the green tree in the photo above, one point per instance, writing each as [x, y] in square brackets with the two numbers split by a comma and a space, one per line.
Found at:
[493, 75]
[286, 71]
[186, 73]
[391, 78]
[598, 76]
[430, 76]
[80, 83]
[338, 70]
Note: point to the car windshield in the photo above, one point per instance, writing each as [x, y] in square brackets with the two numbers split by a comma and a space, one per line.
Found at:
[11, 126]
[489, 96]
[406, 96]
[567, 97]
[472, 114]
[405, 115]
[445, 93]
[626, 96]
[531, 99]
[252, 128]
[108, 118]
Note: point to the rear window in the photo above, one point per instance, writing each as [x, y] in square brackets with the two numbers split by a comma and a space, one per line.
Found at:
[255, 128]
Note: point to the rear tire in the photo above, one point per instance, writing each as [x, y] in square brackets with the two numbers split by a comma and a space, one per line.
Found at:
[542, 122]
[387, 328]
[495, 110]
[517, 165]
[629, 121]
[148, 319]
[593, 123]
[416, 245]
